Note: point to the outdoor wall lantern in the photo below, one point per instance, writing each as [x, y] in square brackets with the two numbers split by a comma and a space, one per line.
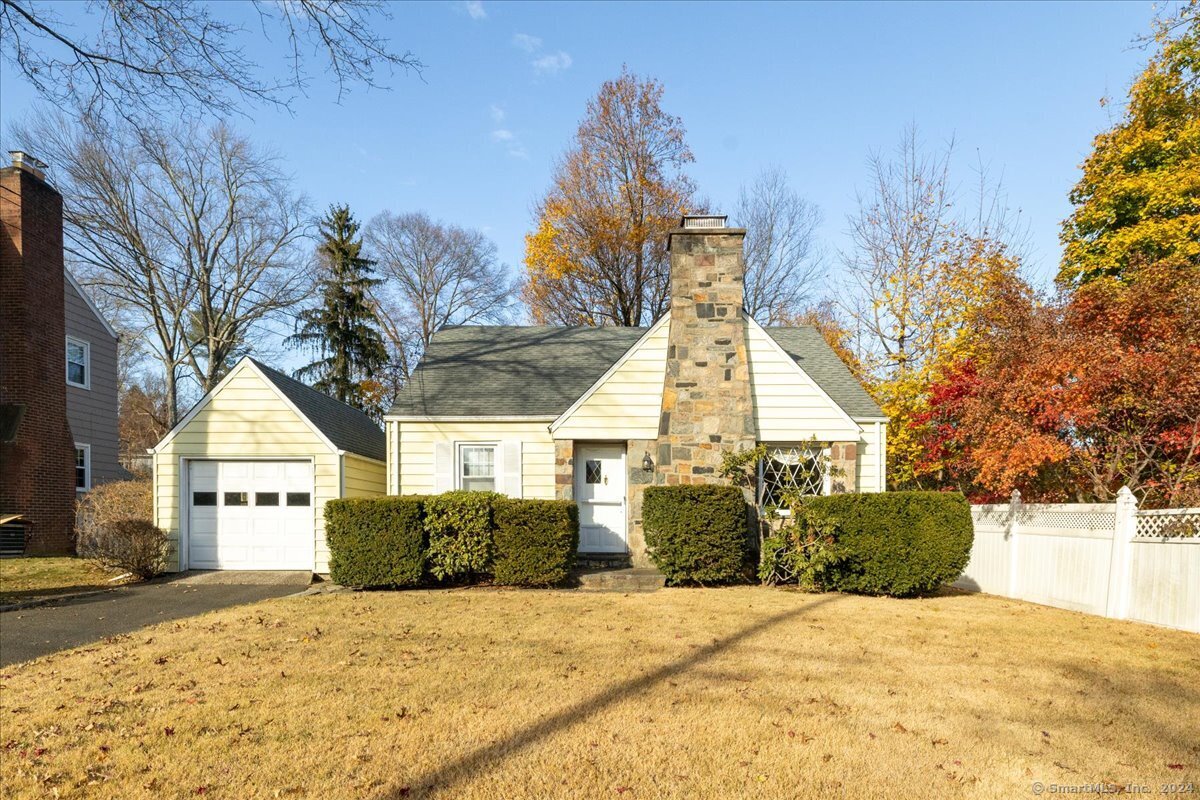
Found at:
[647, 464]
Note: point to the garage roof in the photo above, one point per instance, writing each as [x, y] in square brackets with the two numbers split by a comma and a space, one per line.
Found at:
[347, 428]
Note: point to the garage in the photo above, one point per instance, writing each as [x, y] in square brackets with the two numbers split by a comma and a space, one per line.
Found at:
[250, 515]
[241, 482]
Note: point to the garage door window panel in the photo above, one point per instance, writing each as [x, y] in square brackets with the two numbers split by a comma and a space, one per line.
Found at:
[237, 499]
[299, 499]
[266, 498]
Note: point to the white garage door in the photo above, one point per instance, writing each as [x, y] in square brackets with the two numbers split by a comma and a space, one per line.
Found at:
[250, 515]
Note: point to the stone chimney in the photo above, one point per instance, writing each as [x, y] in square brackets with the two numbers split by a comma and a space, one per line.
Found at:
[707, 408]
[37, 466]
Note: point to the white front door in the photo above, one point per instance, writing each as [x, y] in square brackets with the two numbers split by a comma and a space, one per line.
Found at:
[250, 515]
[600, 492]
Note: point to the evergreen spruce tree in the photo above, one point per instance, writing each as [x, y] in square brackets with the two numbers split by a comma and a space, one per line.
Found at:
[344, 329]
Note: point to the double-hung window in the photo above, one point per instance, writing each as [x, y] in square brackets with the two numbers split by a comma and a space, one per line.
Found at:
[791, 469]
[83, 467]
[477, 467]
[79, 367]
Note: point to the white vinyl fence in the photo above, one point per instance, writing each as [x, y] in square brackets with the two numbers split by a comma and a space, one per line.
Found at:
[1105, 558]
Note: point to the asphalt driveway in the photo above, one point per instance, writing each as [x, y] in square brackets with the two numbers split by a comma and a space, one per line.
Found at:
[33, 632]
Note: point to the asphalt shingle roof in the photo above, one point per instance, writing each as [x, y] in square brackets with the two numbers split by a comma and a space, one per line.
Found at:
[502, 370]
[348, 428]
[505, 370]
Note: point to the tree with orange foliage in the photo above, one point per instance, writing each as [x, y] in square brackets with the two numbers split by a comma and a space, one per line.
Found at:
[597, 254]
[1076, 397]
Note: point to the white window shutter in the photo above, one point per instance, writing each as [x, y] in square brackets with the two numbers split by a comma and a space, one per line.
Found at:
[510, 482]
[443, 467]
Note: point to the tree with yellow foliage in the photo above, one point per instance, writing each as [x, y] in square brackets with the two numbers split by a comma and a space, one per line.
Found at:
[1139, 198]
[597, 254]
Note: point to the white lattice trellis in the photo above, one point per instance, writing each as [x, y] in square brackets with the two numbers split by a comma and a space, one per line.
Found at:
[1173, 523]
[788, 468]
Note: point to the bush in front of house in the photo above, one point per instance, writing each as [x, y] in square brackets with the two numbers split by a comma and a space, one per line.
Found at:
[376, 542]
[893, 543]
[458, 525]
[115, 527]
[536, 541]
[698, 534]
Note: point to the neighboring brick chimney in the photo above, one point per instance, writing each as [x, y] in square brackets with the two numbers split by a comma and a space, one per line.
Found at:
[707, 407]
[37, 467]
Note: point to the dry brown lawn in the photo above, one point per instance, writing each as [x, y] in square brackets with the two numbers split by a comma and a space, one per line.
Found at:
[47, 576]
[745, 692]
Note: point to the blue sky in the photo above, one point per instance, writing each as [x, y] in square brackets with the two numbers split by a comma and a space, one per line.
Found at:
[812, 88]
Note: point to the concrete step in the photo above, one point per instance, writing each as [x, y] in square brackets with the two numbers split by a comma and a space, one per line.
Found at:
[590, 561]
[631, 579]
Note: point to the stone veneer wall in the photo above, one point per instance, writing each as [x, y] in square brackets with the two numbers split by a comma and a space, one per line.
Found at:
[707, 408]
[843, 457]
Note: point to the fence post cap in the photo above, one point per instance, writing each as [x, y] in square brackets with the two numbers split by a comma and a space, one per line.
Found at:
[1126, 494]
[1015, 496]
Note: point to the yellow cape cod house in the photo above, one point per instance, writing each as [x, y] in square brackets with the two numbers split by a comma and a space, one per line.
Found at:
[590, 414]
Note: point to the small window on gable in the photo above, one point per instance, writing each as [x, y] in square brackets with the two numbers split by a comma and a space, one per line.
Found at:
[79, 367]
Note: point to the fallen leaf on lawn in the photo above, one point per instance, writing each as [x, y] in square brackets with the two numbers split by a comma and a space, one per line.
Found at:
[898, 728]
[1176, 766]
[169, 731]
[936, 742]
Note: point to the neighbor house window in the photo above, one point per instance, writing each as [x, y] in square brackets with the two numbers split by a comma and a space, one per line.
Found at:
[477, 467]
[79, 368]
[791, 468]
[83, 467]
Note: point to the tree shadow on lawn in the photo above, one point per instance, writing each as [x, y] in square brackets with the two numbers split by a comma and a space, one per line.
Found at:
[482, 758]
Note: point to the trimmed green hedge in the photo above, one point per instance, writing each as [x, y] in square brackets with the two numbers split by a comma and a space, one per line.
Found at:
[894, 543]
[458, 526]
[375, 542]
[536, 541]
[698, 534]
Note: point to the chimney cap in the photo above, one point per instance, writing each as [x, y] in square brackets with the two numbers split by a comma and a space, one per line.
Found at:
[703, 221]
[28, 162]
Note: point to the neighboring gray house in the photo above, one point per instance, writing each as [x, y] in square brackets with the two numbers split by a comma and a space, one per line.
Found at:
[91, 389]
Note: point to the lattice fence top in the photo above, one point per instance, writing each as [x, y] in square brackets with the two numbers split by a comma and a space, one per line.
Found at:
[1169, 523]
[1067, 520]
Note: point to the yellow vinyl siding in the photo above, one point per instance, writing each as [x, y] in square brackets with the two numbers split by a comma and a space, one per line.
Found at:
[411, 445]
[788, 406]
[627, 405]
[246, 419]
[364, 477]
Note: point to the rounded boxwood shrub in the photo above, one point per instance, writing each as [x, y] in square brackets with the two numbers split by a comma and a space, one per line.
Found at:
[699, 533]
[894, 543]
[458, 526]
[536, 541]
[376, 542]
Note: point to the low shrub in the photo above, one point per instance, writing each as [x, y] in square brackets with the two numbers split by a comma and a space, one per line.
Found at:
[536, 541]
[698, 534]
[892, 543]
[114, 527]
[459, 529]
[376, 542]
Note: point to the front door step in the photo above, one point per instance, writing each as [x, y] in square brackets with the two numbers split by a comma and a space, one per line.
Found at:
[633, 579]
[603, 561]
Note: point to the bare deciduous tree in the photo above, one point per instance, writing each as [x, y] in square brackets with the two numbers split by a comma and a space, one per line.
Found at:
[783, 263]
[191, 231]
[434, 275]
[136, 57]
